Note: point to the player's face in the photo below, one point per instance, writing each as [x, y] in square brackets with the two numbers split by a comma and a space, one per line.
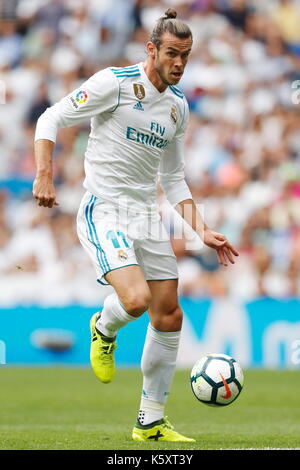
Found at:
[171, 58]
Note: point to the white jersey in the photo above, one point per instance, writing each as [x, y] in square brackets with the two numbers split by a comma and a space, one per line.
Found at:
[136, 134]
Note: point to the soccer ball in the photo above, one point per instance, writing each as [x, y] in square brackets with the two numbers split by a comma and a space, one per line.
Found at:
[217, 379]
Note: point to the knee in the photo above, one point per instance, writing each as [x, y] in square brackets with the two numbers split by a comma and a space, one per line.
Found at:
[170, 320]
[173, 321]
[136, 301]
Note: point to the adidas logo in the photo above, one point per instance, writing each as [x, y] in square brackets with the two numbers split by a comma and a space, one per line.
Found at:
[139, 106]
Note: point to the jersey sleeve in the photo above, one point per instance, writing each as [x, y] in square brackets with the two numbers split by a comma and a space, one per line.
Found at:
[99, 94]
[171, 170]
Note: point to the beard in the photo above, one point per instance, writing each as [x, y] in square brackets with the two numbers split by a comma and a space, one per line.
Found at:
[162, 75]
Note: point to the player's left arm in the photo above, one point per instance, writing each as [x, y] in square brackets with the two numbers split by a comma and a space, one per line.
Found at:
[172, 179]
[225, 251]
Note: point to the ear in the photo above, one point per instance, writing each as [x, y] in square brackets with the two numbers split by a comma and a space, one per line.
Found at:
[151, 49]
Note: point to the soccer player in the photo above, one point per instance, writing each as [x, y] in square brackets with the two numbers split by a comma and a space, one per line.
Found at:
[138, 120]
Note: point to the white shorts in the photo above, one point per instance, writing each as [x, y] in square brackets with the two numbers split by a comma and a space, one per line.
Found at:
[115, 238]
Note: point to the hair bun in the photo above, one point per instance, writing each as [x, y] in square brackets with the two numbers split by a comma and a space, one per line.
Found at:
[170, 13]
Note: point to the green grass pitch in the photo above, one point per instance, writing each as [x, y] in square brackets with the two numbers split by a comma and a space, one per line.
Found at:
[65, 408]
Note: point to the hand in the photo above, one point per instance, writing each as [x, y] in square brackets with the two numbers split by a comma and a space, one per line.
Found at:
[219, 242]
[44, 191]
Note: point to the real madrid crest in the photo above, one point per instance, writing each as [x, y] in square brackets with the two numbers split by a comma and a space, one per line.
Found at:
[139, 91]
[122, 255]
[173, 114]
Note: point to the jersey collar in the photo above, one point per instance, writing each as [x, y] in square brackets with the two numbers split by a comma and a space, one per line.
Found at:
[149, 83]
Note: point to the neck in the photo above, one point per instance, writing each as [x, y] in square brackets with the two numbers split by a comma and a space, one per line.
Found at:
[154, 76]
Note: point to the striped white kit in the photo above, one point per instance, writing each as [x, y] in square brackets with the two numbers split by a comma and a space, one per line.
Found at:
[136, 135]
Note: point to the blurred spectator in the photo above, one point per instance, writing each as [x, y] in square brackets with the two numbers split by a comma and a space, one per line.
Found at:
[10, 43]
[287, 17]
[237, 12]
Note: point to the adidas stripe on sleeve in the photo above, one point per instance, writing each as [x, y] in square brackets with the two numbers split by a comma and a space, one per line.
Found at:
[97, 95]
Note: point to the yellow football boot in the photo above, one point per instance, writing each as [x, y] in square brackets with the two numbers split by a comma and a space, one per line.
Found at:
[102, 353]
[161, 430]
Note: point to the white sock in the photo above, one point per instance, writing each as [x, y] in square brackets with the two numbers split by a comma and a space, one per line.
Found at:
[158, 367]
[150, 411]
[113, 316]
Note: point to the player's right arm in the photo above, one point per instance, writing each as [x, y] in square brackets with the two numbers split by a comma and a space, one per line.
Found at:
[43, 187]
[99, 94]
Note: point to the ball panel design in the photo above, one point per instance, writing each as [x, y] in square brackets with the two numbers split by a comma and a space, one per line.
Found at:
[227, 394]
[216, 368]
[198, 366]
[202, 389]
[216, 379]
[239, 375]
[220, 356]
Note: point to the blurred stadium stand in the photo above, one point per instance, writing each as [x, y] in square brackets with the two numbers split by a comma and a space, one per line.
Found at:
[242, 145]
